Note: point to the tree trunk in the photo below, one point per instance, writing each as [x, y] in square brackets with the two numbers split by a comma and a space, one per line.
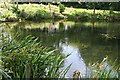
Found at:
[94, 12]
[50, 9]
[17, 4]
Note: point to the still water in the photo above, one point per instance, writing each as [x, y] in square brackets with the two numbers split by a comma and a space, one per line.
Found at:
[86, 42]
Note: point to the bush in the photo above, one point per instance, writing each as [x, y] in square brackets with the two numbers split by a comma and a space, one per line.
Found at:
[61, 8]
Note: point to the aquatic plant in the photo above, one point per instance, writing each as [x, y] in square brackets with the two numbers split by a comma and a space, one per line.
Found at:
[5, 75]
[26, 58]
[103, 70]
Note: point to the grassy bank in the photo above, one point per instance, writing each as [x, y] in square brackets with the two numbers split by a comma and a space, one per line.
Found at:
[37, 12]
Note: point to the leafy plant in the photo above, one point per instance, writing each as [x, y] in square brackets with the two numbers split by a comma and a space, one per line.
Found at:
[61, 8]
[5, 75]
[101, 70]
[27, 58]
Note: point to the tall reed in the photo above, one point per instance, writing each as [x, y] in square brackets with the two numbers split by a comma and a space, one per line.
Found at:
[27, 58]
[104, 71]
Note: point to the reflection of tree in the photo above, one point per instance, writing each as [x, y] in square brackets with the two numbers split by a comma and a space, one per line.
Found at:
[91, 45]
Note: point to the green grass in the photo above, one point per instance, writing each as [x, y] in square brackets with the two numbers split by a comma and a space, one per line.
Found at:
[38, 12]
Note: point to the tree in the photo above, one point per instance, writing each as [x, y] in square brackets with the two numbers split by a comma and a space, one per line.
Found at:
[50, 9]
[93, 5]
[61, 8]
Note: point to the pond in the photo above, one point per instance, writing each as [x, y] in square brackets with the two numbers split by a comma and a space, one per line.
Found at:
[85, 42]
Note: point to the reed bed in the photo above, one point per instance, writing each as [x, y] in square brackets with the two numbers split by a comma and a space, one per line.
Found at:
[27, 58]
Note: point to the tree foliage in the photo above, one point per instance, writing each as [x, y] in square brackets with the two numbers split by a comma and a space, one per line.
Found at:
[61, 8]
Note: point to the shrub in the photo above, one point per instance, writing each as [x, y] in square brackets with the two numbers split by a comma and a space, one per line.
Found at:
[61, 8]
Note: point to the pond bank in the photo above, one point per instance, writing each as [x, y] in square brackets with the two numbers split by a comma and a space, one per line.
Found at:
[38, 12]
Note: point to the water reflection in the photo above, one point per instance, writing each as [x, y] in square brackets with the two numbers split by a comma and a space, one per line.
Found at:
[0, 49]
[0, 37]
[85, 41]
[74, 58]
